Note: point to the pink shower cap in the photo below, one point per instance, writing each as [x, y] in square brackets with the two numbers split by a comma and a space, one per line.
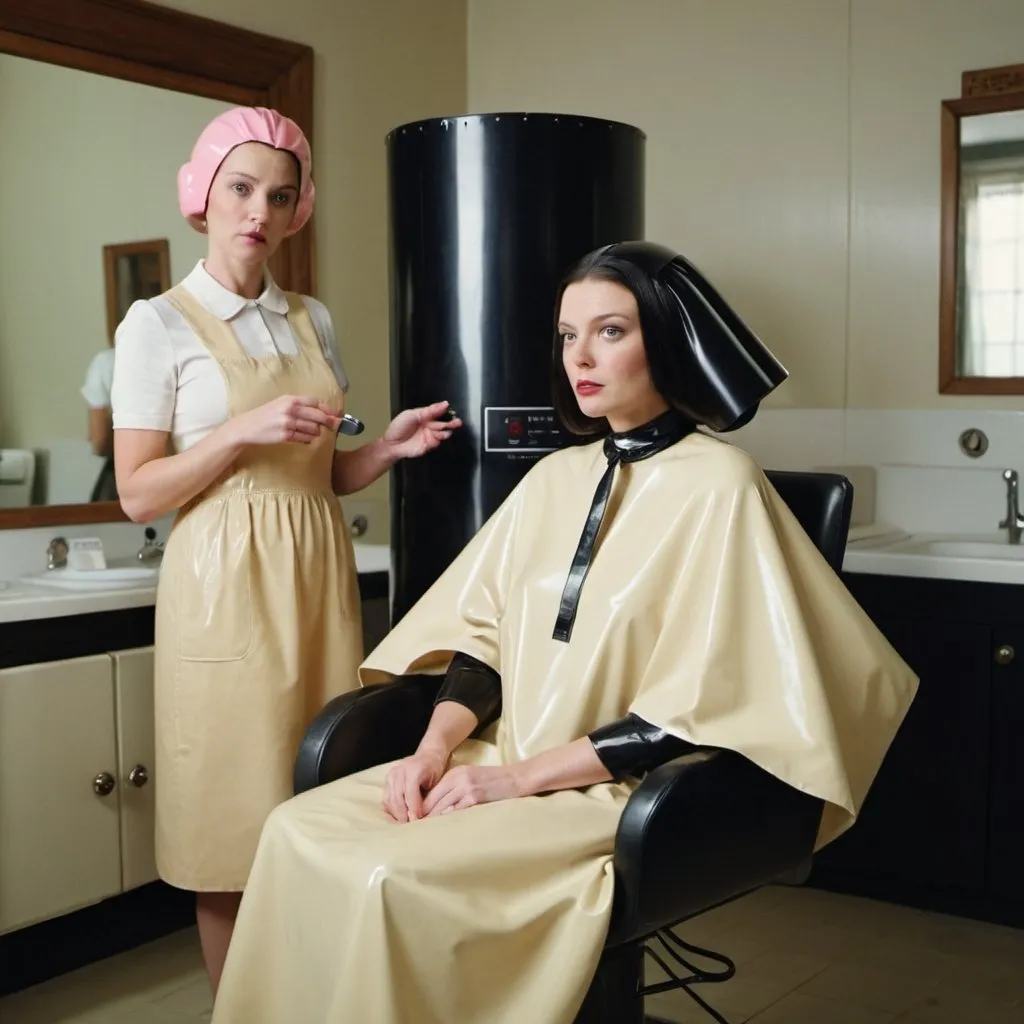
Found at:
[225, 132]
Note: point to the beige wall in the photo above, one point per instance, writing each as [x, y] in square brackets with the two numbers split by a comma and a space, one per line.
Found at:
[793, 153]
[908, 56]
[85, 161]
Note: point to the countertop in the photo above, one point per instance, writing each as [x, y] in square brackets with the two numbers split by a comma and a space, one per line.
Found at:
[21, 601]
[870, 551]
[978, 558]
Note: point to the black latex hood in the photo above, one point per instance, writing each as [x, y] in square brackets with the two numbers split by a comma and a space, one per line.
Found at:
[721, 369]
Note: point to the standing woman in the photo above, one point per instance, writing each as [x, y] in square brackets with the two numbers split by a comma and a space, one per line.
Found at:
[258, 618]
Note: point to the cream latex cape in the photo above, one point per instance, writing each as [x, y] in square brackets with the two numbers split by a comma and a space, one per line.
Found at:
[706, 611]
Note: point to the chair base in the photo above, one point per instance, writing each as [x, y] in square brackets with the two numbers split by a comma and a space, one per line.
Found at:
[614, 995]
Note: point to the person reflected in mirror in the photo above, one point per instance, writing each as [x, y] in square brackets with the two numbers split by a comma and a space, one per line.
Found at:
[99, 378]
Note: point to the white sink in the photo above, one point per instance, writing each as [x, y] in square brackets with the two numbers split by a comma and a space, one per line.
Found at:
[63, 592]
[959, 548]
[111, 578]
[985, 557]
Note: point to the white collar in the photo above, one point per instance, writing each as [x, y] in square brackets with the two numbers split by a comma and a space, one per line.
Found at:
[226, 304]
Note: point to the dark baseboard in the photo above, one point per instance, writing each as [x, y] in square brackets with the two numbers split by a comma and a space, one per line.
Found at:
[51, 948]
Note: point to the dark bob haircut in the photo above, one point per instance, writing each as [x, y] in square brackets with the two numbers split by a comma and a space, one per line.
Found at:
[703, 360]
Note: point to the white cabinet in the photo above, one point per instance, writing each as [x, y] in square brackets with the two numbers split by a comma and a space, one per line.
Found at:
[133, 695]
[76, 783]
[59, 827]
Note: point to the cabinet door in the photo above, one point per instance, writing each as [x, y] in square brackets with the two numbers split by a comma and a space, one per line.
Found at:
[133, 681]
[59, 847]
[1006, 839]
[925, 820]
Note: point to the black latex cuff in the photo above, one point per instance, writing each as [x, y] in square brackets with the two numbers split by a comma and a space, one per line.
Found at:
[473, 684]
[632, 746]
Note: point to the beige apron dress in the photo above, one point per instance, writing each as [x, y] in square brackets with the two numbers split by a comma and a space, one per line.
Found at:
[257, 623]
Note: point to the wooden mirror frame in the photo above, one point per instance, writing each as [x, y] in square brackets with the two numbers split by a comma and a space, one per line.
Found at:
[112, 253]
[989, 91]
[143, 42]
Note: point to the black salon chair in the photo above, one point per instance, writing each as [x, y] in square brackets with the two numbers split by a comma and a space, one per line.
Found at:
[696, 833]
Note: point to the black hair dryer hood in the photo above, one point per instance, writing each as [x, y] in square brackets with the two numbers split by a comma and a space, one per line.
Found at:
[727, 371]
[487, 213]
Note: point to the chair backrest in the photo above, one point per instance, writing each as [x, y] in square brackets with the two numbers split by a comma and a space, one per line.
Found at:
[822, 502]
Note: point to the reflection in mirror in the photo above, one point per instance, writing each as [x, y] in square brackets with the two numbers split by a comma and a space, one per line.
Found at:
[133, 271]
[990, 246]
[137, 270]
[89, 165]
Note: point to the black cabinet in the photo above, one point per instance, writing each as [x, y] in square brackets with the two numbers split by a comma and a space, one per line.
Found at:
[942, 825]
[926, 816]
[1006, 810]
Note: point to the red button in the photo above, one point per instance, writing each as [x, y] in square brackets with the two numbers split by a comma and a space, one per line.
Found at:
[515, 428]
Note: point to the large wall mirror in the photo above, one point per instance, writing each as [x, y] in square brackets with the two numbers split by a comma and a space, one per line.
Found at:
[981, 329]
[100, 103]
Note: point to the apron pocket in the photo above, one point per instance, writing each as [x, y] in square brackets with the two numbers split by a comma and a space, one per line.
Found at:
[214, 586]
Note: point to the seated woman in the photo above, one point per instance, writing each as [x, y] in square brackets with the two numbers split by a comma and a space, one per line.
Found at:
[472, 882]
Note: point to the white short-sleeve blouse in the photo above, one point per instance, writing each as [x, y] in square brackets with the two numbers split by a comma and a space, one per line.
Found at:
[166, 379]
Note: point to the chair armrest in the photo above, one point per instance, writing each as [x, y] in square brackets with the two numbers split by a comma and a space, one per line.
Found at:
[700, 830]
[363, 728]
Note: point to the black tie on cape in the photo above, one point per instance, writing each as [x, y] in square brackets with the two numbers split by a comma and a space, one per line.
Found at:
[629, 446]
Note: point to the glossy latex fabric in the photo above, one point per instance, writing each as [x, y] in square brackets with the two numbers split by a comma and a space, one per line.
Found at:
[667, 429]
[234, 128]
[707, 612]
[474, 685]
[723, 371]
[629, 746]
[632, 746]
[258, 621]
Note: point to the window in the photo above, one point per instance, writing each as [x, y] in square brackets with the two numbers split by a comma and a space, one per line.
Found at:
[991, 306]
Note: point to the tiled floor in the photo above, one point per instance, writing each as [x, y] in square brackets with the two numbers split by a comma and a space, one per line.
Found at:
[803, 957]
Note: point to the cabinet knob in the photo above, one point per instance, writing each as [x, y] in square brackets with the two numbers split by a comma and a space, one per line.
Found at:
[359, 526]
[103, 784]
[138, 776]
[1005, 654]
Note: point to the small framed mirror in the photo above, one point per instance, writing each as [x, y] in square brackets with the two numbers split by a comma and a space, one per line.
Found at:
[134, 270]
[981, 305]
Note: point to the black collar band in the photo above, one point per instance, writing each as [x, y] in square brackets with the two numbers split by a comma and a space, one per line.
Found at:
[647, 440]
[628, 446]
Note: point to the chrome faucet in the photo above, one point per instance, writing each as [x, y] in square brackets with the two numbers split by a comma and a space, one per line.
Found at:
[1014, 521]
[151, 551]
